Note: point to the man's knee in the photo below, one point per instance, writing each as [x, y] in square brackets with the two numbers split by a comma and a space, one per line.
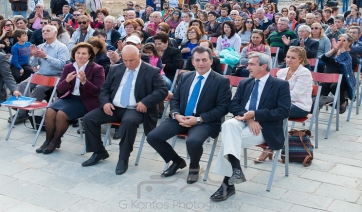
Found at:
[194, 143]
[229, 123]
[131, 122]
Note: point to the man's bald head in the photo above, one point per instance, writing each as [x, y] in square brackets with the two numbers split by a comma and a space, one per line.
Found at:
[131, 57]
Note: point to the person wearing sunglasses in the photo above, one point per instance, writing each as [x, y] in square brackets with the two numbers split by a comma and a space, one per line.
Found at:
[245, 32]
[35, 17]
[168, 14]
[83, 33]
[72, 23]
[6, 33]
[37, 36]
[324, 43]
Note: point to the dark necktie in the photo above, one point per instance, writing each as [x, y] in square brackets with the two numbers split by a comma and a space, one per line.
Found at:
[193, 98]
[254, 96]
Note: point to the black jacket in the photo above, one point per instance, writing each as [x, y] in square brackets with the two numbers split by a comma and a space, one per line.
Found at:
[214, 31]
[37, 37]
[172, 57]
[310, 46]
[56, 6]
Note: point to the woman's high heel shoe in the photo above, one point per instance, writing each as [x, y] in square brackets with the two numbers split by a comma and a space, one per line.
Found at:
[267, 153]
[42, 147]
[51, 147]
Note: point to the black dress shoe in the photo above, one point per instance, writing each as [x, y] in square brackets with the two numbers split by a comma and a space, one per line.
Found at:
[51, 147]
[117, 134]
[95, 158]
[237, 177]
[223, 193]
[193, 176]
[122, 167]
[173, 168]
[42, 147]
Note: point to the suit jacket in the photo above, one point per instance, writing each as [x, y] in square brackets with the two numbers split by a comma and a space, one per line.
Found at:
[172, 57]
[213, 100]
[149, 89]
[273, 108]
[90, 90]
[37, 37]
[311, 47]
[114, 37]
[5, 77]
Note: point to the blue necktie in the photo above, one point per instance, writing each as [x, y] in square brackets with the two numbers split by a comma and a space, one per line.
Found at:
[126, 91]
[254, 96]
[193, 98]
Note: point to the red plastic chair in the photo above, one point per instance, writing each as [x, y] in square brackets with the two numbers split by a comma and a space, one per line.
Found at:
[213, 40]
[38, 80]
[274, 51]
[234, 80]
[273, 72]
[224, 68]
[313, 62]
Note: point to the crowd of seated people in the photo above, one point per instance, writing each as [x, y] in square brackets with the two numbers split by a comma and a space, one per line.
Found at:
[85, 50]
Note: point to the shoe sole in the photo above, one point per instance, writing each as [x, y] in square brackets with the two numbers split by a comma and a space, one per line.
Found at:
[224, 198]
[236, 181]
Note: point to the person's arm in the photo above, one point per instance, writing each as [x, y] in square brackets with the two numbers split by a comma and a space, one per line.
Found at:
[159, 63]
[93, 85]
[159, 91]
[237, 43]
[312, 50]
[15, 57]
[218, 46]
[302, 86]
[5, 73]
[243, 57]
[31, 17]
[73, 40]
[61, 59]
[115, 37]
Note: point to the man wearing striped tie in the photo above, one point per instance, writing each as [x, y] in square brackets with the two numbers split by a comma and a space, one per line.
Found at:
[259, 106]
[130, 95]
[197, 107]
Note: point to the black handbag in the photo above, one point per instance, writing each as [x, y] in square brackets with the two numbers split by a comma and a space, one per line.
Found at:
[37, 122]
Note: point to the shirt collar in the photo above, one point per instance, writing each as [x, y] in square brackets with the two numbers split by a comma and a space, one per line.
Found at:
[75, 64]
[264, 78]
[51, 45]
[204, 75]
[137, 69]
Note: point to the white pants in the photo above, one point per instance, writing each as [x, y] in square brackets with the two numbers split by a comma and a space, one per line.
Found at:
[235, 135]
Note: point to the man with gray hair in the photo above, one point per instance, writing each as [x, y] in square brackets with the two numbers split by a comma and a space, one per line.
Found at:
[261, 22]
[336, 29]
[112, 34]
[256, 121]
[303, 40]
[309, 17]
[50, 57]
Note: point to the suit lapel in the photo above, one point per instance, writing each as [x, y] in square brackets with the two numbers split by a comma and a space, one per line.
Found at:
[188, 86]
[247, 93]
[208, 82]
[141, 74]
[267, 88]
[118, 76]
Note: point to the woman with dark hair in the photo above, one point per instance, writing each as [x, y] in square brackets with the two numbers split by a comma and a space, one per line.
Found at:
[285, 12]
[228, 38]
[202, 15]
[168, 14]
[212, 27]
[174, 22]
[246, 30]
[197, 23]
[62, 35]
[100, 51]
[313, 7]
[141, 25]
[300, 16]
[101, 14]
[164, 27]
[193, 36]
[79, 85]
[248, 6]
[292, 8]
[6, 35]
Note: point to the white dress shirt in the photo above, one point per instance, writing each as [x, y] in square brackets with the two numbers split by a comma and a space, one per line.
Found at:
[262, 83]
[132, 98]
[202, 85]
[76, 91]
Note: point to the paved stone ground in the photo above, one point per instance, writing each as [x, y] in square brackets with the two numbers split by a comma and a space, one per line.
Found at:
[57, 182]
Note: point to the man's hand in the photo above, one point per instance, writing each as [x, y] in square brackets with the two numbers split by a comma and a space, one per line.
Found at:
[40, 53]
[302, 43]
[16, 94]
[247, 115]
[107, 108]
[113, 56]
[21, 72]
[254, 126]
[33, 49]
[181, 120]
[190, 121]
[140, 107]
[286, 40]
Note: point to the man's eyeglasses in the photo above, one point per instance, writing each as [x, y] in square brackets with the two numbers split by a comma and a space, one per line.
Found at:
[43, 22]
[82, 22]
[130, 5]
[37, 7]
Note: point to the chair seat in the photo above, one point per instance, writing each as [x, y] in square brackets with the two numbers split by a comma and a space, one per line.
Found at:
[182, 135]
[264, 145]
[301, 120]
[35, 105]
[115, 123]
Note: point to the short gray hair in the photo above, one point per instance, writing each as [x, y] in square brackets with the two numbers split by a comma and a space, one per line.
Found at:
[263, 59]
[339, 17]
[284, 19]
[306, 27]
[260, 10]
[111, 18]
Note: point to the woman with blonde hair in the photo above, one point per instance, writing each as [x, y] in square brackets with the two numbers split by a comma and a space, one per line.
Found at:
[324, 43]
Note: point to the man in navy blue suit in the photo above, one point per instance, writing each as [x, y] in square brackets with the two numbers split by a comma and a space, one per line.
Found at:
[260, 105]
[197, 107]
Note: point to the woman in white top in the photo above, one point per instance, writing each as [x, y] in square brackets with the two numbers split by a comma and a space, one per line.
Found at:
[300, 84]
[228, 38]
[63, 35]
[181, 29]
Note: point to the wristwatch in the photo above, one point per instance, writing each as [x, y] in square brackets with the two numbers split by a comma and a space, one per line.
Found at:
[198, 120]
[46, 57]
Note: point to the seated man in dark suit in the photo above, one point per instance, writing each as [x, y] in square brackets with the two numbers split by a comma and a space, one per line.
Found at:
[197, 106]
[37, 36]
[129, 95]
[6, 78]
[259, 106]
[303, 40]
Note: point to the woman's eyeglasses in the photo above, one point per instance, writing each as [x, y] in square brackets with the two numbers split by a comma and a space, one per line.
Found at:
[191, 32]
[82, 22]
[314, 28]
[248, 22]
[9, 25]
[284, 11]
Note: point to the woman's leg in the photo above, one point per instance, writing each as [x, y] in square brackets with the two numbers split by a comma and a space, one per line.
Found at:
[296, 112]
[61, 126]
[50, 124]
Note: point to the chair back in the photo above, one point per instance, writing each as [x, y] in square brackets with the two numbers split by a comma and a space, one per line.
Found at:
[274, 51]
[313, 62]
[273, 72]
[44, 80]
[234, 80]
[182, 64]
[213, 39]
[174, 80]
[224, 68]
[327, 78]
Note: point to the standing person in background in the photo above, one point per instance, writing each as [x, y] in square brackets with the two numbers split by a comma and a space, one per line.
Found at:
[56, 7]
[32, 4]
[19, 7]
[77, 3]
[36, 16]
[93, 6]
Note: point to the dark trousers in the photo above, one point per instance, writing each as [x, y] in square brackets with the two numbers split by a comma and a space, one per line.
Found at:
[197, 135]
[130, 120]
[332, 87]
[28, 70]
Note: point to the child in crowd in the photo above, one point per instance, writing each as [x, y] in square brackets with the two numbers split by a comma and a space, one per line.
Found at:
[20, 52]
[156, 61]
[6, 43]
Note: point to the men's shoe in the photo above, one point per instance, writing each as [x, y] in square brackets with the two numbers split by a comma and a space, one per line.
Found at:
[95, 158]
[19, 119]
[117, 134]
[237, 177]
[122, 166]
[223, 193]
[173, 168]
[193, 176]
[42, 147]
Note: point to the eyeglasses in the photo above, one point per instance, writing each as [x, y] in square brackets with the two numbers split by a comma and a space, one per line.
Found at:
[161, 29]
[37, 7]
[248, 22]
[257, 30]
[43, 22]
[76, 14]
[82, 22]
[130, 5]
[191, 32]
[314, 28]
[9, 25]
[284, 11]
[171, 10]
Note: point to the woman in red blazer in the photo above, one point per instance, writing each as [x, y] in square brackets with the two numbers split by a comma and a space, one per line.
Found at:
[79, 85]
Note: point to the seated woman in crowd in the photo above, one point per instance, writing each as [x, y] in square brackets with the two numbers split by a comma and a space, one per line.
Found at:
[79, 85]
[193, 37]
[238, 20]
[140, 27]
[100, 51]
[215, 61]
[63, 35]
[257, 44]
[228, 38]
[174, 22]
[129, 27]
[284, 12]
[6, 35]
[164, 27]
[180, 32]
[300, 85]
[246, 30]
[101, 14]
[196, 23]
[212, 27]
[353, 17]
[168, 14]
[324, 43]
[340, 47]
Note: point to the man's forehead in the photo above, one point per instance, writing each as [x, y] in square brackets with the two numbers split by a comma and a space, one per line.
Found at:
[200, 55]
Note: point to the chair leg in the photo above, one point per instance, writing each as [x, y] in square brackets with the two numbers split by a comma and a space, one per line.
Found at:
[164, 111]
[245, 157]
[80, 124]
[286, 145]
[272, 172]
[106, 137]
[173, 146]
[330, 122]
[140, 149]
[12, 123]
[39, 129]
[212, 152]
[33, 117]
[83, 151]
[316, 129]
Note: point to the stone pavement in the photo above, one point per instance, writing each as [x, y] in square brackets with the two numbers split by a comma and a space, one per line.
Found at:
[57, 182]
